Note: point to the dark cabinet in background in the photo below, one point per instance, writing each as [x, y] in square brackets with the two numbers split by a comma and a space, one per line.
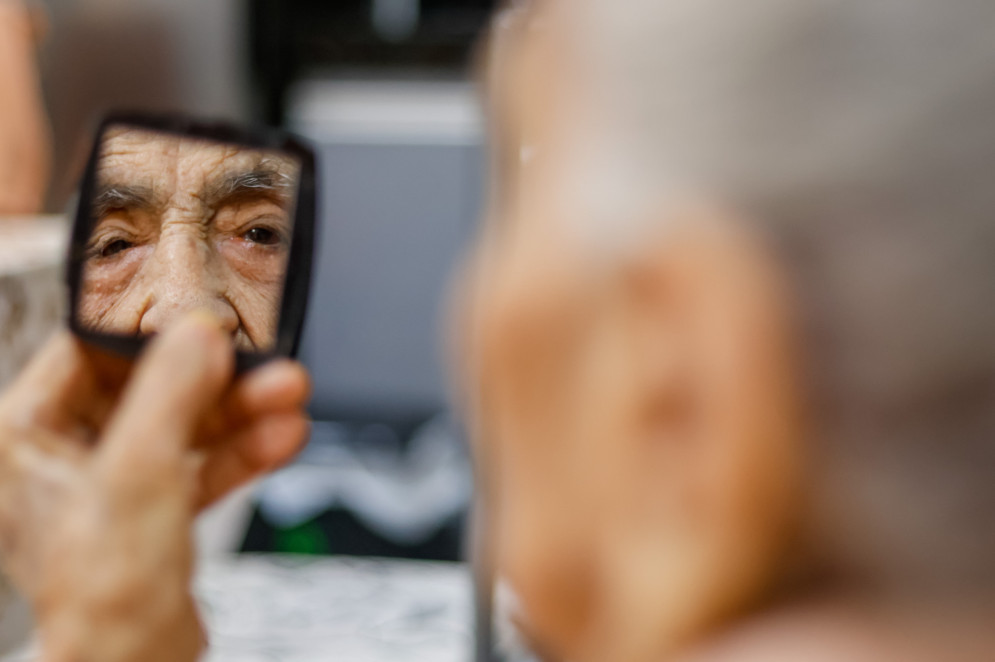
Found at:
[293, 38]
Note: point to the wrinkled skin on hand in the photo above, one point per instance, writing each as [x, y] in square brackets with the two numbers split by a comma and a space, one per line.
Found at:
[103, 468]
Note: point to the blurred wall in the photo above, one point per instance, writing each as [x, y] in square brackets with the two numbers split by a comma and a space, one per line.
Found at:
[152, 55]
[401, 183]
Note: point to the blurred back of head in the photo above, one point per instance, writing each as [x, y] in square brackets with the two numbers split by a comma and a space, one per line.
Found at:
[858, 136]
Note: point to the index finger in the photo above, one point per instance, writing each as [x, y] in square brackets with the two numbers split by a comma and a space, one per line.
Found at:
[279, 386]
[182, 375]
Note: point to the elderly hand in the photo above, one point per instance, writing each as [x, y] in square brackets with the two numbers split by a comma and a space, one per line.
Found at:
[103, 468]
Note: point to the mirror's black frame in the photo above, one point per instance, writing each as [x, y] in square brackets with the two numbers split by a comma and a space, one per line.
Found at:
[297, 283]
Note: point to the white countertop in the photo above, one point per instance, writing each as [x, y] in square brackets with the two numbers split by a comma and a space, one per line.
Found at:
[300, 609]
[272, 608]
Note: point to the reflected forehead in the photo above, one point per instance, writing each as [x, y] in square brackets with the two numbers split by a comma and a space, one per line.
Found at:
[123, 139]
[169, 164]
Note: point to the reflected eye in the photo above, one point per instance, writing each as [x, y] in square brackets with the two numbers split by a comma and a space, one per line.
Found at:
[114, 247]
[263, 236]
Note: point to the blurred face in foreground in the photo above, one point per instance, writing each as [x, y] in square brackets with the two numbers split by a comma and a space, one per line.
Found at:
[182, 224]
[636, 403]
[729, 328]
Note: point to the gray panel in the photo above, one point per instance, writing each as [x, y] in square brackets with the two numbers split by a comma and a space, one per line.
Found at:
[393, 221]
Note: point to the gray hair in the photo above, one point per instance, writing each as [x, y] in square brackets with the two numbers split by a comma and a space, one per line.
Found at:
[860, 135]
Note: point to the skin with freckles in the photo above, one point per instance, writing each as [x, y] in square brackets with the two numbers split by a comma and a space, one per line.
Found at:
[183, 224]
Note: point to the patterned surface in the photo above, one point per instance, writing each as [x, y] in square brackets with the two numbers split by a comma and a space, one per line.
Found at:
[285, 609]
[31, 291]
[270, 608]
[31, 304]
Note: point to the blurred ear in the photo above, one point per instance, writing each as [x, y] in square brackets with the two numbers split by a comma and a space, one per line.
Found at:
[711, 471]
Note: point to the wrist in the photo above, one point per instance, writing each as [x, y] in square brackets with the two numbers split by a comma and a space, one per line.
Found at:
[144, 635]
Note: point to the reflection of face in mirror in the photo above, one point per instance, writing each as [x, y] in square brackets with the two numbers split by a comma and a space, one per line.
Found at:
[182, 224]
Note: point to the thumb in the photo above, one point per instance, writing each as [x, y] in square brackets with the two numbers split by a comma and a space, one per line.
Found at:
[180, 377]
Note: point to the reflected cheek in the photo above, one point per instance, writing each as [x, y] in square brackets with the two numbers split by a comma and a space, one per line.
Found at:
[258, 308]
[261, 264]
[105, 289]
[256, 275]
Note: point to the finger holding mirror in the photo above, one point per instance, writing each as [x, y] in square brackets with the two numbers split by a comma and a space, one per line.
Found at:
[176, 215]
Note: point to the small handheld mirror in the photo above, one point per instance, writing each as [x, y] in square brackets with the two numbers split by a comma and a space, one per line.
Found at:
[176, 215]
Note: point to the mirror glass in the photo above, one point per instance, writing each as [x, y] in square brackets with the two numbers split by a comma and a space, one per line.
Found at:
[179, 223]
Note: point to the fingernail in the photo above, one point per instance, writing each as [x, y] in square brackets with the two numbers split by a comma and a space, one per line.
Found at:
[202, 317]
[201, 332]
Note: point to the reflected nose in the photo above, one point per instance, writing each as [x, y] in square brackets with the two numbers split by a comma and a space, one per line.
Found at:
[184, 278]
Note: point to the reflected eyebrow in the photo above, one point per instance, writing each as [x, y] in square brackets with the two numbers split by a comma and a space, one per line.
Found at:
[261, 182]
[122, 196]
